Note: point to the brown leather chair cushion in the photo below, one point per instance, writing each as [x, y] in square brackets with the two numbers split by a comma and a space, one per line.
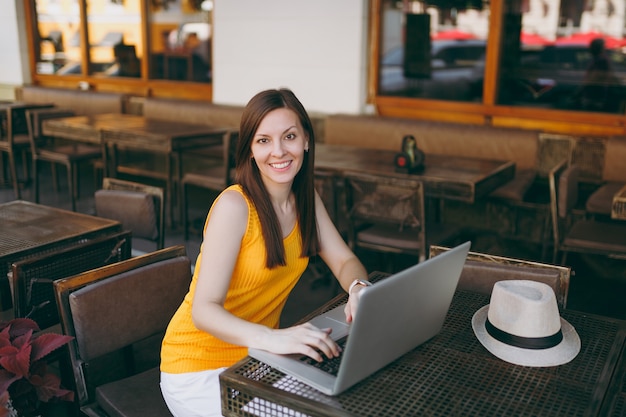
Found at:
[601, 200]
[138, 395]
[135, 210]
[516, 189]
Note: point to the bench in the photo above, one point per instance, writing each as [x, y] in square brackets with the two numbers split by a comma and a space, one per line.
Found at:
[79, 101]
[194, 112]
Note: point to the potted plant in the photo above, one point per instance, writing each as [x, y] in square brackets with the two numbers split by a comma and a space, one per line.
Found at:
[25, 383]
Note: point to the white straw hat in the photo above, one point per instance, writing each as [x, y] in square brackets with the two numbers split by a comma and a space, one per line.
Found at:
[522, 325]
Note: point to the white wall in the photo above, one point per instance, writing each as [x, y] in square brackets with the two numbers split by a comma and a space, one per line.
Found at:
[317, 48]
[14, 69]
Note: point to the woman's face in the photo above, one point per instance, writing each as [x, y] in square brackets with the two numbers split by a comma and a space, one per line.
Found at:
[278, 146]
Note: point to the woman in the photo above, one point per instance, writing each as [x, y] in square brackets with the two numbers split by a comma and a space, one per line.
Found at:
[258, 238]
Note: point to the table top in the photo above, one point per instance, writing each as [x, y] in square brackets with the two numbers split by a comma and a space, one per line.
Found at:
[163, 135]
[450, 177]
[88, 128]
[451, 374]
[26, 226]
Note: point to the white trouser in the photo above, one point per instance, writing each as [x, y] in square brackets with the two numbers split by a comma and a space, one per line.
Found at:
[193, 394]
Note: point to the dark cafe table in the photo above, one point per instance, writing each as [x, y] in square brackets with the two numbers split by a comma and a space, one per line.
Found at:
[168, 138]
[447, 177]
[452, 374]
[86, 129]
[29, 229]
[115, 131]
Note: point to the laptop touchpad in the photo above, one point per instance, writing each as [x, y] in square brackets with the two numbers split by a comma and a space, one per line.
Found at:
[334, 319]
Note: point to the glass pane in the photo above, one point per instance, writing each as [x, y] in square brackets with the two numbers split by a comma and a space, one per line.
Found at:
[434, 51]
[180, 33]
[568, 57]
[57, 27]
[114, 29]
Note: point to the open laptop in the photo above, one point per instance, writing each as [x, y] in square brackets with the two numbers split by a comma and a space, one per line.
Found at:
[395, 315]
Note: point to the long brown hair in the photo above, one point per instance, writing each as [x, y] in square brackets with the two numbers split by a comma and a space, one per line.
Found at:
[249, 177]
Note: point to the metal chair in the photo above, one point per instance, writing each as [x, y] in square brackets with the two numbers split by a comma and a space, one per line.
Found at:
[14, 139]
[215, 177]
[387, 215]
[139, 207]
[481, 271]
[117, 315]
[32, 278]
[70, 155]
[577, 233]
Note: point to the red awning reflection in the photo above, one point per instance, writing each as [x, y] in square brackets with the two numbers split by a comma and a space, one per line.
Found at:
[585, 38]
[534, 39]
[453, 34]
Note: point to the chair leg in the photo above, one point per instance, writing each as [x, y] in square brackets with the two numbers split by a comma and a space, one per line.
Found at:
[55, 176]
[184, 208]
[71, 182]
[35, 176]
[16, 185]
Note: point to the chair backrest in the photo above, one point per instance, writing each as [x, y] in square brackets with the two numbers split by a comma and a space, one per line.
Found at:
[17, 121]
[391, 201]
[563, 180]
[481, 271]
[32, 278]
[139, 207]
[112, 309]
[34, 120]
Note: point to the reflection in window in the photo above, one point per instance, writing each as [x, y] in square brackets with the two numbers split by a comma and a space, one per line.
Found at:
[433, 51]
[562, 55]
[57, 37]
[180, 33]
[115, 44]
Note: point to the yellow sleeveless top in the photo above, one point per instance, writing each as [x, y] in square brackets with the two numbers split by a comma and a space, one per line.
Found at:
[256, 294]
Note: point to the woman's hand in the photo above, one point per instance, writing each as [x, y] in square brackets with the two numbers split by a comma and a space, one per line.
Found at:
[305, 339]
[353, 302]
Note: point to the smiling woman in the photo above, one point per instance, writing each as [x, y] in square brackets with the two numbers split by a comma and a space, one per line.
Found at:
[257, 241]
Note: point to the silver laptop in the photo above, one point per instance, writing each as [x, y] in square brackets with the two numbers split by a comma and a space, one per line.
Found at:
[395, 315]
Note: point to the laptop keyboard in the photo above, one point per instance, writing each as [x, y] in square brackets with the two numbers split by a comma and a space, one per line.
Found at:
[328, 365]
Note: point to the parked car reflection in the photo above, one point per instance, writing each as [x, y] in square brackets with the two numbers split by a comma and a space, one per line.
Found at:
[555, 76]
[457, 68]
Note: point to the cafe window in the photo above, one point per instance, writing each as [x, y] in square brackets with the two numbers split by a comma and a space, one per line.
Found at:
[433, 50]
[567, 56]
[115, 42]
[57, 40]
[558, 65]
[149, 41]
[181, 40]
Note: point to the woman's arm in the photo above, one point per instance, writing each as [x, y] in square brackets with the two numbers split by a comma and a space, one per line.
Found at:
[220, 248]
[339, 257]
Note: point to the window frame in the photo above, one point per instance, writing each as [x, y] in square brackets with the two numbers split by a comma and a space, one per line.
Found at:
[142, 86]
[487, 112]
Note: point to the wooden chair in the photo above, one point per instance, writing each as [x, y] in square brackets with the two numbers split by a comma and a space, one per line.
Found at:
[215, 177]
[481, 271]
[117, 315]
[32, 278]
[577, 233]
[70, 155]
[387, 215]
[139, 207]
[14, 139]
